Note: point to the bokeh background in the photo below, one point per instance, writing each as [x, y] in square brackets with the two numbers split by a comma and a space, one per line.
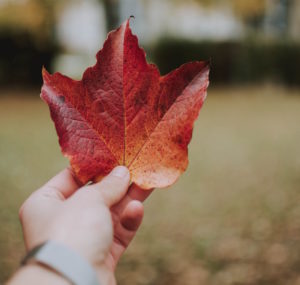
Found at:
[234, 216]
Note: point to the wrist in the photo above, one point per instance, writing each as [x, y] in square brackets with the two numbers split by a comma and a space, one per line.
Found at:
[36, 274]
[104, 274]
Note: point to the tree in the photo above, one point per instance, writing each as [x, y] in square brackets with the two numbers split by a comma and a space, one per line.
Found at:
[249, 11]
[112, 13]
[246, 9]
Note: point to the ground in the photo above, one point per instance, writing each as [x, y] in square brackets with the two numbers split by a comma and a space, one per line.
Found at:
[232, 218]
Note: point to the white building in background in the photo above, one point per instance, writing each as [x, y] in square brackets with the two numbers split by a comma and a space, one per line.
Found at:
[81, 27]
[81, 31]
[157, 18]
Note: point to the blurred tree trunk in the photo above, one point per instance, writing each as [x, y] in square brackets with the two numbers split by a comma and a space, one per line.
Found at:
[112, 13]
[47, 32]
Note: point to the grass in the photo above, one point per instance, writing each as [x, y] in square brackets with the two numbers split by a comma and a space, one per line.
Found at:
[232, 218]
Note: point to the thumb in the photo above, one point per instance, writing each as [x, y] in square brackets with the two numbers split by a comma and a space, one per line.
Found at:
[114, 186]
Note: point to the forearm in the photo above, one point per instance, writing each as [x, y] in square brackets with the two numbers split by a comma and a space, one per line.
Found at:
[36, 274]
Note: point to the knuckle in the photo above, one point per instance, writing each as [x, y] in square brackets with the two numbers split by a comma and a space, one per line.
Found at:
[22, 210]
[27, 206]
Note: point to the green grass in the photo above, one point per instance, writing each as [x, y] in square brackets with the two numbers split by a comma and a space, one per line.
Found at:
[232, 218]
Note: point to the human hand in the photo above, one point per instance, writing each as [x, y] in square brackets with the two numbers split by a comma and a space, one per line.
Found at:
[98, 221]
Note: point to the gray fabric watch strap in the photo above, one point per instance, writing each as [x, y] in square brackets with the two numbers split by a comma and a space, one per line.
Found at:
[64, 261]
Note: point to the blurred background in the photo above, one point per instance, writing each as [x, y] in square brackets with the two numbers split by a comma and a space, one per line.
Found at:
[234, 216]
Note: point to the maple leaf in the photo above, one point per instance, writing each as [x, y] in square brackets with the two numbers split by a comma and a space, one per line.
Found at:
[122, 112]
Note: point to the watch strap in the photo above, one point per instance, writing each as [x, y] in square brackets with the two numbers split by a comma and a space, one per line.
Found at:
[65, 261]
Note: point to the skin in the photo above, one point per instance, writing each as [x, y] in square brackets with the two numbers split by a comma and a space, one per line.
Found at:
[98, 221]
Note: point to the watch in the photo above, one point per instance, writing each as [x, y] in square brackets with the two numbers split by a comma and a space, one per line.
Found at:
[64, 261]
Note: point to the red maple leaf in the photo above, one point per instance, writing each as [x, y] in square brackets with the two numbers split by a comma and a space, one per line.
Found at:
[122, 112]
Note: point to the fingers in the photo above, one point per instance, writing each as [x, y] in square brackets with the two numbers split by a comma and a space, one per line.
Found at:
[125, 230]
[134, 193]
[132, 215]
[137, 193]
[114, 186]
[61, 186]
